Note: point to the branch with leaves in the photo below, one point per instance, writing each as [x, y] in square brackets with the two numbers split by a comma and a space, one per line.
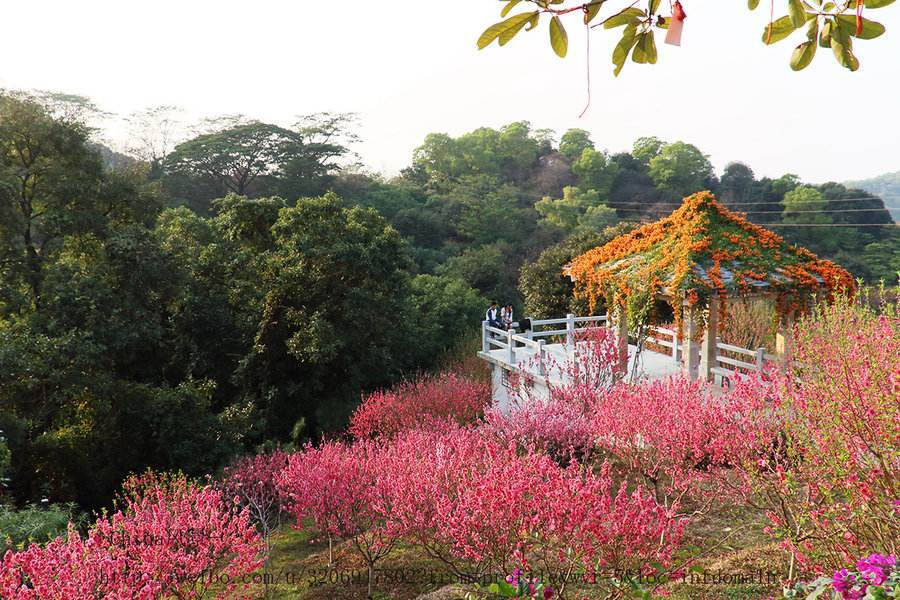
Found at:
[828, 25]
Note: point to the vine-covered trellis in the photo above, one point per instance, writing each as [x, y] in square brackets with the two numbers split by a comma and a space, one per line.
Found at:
[699, 252]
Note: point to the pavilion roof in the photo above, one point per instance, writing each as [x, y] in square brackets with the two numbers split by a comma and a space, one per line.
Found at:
[699, 250]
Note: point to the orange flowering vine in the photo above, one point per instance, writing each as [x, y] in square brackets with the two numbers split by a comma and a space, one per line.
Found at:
[700, 250]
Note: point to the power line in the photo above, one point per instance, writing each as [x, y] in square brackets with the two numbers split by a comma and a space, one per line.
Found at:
[779, 212]
[870, 199]
[831, 224]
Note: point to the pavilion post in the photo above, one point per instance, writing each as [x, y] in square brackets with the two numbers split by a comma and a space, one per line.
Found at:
[691, 349]
[710, 341]
[621, 324]
[784, 338]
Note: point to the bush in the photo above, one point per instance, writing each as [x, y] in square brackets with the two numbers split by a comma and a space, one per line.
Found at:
[831, 488]
[426, 402]
[33, 524]
[169, 537]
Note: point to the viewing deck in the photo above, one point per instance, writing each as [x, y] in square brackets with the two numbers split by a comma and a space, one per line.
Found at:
[547, 351]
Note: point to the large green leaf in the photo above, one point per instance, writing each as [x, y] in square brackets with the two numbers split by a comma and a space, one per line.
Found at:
[645, 49]
[842, 47]
[803, 55]
[620, 52]
[559, 39]
[505, 30]
[509, 6]
[797, 12]
[654, 5]
[629, 16]
[870, 29]
[781, 28]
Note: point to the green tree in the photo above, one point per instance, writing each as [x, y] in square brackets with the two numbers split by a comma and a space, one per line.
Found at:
[576, 210]
[736, 184]
[444, 310]
[574, 142]
[547, 292]
[805, 205]
[645, 149]
[595, 171]
[49, 186]
[681, 168]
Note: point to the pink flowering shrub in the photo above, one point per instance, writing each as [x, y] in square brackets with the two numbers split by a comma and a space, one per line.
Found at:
[346, 490]
[169, 537]
[833, 486]
[428, 401]
[480, 506]
[677, 435]
[559, 424]
[253, 482]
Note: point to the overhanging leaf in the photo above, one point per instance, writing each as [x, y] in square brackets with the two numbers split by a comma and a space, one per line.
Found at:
[842, 47]
[592, 11]
[797, 12]
[501, 30]
[803, 55]
[620, 52]
[825, 36]
[781, 28]
[628, 16]
[871, 3]
[509, 6]
[645, 49]
[559, 39]
[870, 29]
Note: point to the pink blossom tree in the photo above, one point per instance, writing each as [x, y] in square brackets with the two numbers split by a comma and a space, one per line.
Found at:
[831, 488]
[429, 401]
[169, 537]
[346, 492]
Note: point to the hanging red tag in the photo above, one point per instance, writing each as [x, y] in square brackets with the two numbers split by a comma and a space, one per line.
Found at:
[676, 24]
[859, 21]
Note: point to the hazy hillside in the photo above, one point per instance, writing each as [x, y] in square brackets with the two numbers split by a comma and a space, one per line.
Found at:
[887, 186]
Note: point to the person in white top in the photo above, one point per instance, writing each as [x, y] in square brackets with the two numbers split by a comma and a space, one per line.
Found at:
[493, 317]
[506, 316]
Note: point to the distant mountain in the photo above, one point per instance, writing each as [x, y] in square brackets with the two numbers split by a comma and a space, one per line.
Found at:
[887, 186]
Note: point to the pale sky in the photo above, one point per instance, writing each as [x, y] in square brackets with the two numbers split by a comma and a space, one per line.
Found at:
[410, 67]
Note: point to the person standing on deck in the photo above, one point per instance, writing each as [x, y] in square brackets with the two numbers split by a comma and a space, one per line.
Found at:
[492, 316]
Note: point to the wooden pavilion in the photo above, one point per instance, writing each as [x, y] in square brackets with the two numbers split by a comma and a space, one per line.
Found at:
[696, 259]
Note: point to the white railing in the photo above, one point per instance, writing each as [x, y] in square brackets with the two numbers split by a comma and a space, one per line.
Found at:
[731, 362]
[727, 368]
[667, 338]
[534, 339]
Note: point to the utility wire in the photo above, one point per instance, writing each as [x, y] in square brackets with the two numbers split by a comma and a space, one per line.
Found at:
[777, 212]
[871, 198]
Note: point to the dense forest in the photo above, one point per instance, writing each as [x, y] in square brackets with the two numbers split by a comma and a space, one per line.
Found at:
[185, 302]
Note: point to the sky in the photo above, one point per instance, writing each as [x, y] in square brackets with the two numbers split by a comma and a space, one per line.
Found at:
[411, 67]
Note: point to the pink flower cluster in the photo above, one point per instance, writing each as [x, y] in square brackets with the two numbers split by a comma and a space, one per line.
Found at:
[429, 401]
[170, 537]
[835, 482]
[678, 434]
[477, 504]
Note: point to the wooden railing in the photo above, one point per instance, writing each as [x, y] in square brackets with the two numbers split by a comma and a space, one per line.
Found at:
[667, 338]
[728, 368]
